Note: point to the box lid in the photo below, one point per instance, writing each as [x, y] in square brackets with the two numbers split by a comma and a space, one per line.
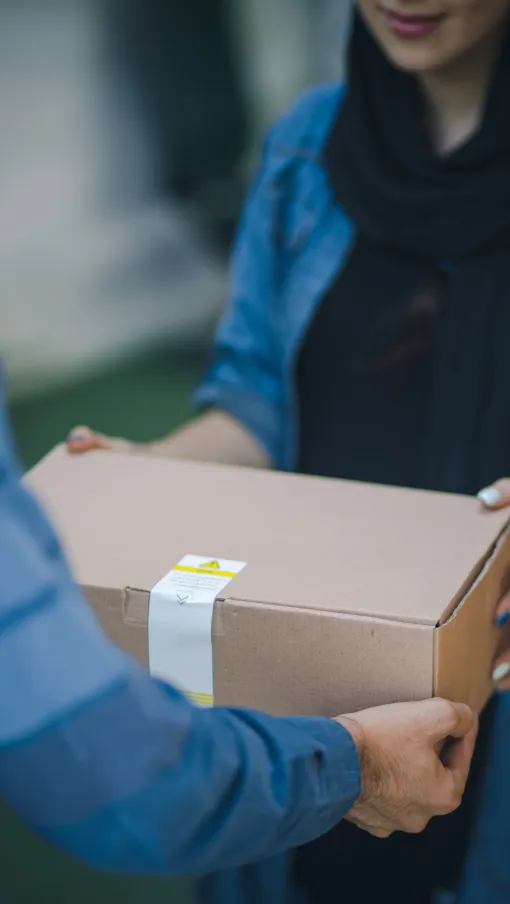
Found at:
[309, 543]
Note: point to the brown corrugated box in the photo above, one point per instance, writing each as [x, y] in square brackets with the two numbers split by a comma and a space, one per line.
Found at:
[353, 595]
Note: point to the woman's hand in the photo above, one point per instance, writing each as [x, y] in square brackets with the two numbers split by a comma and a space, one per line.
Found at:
[501, 673]
[213, 437]
[497, 497]
[83, 439]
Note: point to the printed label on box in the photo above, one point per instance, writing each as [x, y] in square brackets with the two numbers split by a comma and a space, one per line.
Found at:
[180, 623]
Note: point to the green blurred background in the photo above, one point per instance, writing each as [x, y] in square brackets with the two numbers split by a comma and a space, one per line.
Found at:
[140, 399]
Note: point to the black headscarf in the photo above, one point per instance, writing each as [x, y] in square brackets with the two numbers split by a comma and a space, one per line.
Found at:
[451, 212]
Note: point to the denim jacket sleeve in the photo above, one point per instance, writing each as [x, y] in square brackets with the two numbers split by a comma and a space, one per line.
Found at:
[246, 377]
[249, 373]
[120, 770]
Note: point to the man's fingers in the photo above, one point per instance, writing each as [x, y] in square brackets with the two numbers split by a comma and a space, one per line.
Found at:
[450, 720]
[497, 496]
[376, 831]
[456, 759]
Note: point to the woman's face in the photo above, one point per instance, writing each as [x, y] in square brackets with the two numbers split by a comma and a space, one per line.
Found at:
[429, 35]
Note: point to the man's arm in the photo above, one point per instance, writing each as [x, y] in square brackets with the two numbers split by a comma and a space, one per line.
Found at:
[122, 771]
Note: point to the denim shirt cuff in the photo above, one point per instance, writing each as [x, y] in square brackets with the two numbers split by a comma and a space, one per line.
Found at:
[257, 414]
[337, 780]
[342, 768]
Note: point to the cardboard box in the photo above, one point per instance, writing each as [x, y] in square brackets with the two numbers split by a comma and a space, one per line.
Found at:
[352, 595]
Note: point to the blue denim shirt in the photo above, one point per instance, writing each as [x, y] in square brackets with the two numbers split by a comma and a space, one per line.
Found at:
[123, 771]
[292, 243]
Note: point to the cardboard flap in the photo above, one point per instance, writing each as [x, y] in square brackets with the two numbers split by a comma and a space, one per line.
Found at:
[466, 644]
[474, 577]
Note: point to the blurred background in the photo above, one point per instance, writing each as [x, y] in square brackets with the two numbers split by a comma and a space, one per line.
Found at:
[129, 131]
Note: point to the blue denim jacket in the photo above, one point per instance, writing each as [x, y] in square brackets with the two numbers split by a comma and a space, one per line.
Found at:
[292, 243]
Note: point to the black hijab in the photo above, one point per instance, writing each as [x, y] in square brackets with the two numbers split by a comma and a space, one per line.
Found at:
[443, 212]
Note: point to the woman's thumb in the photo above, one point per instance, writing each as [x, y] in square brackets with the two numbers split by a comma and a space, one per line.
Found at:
[496, 496]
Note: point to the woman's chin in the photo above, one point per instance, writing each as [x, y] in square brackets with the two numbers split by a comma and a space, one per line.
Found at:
[415, 59]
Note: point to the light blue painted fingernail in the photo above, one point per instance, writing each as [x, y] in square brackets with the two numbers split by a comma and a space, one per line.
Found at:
[501, 671]
[490, 496]
[502, 619]
[77, 435]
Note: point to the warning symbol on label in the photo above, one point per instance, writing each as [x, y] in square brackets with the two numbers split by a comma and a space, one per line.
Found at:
[212, 564]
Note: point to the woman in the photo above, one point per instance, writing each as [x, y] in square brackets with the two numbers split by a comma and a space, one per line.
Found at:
[367, 332]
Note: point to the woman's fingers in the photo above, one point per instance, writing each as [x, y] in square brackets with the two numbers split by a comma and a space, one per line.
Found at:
[496, 496]
[501, 672]
[503, 612]
[83, 439]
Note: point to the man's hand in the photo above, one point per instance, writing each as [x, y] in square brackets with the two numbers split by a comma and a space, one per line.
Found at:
[415, 760]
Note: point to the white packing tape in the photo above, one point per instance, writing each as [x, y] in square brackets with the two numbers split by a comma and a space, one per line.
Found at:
[180, 624]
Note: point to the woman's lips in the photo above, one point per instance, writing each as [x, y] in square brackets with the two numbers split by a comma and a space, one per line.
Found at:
[408, 26]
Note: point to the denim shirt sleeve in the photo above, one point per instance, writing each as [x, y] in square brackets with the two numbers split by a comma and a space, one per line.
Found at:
[246, 376]
[124, 772]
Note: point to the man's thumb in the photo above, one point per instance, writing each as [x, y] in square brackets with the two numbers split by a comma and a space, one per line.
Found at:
[450, 720]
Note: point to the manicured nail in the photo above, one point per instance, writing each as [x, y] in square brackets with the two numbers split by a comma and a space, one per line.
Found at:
[501, 671]
[502, 619]
[490, 496]
[78, 436]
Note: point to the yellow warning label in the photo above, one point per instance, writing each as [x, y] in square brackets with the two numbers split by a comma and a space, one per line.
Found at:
[212, 564]
[204, 570]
